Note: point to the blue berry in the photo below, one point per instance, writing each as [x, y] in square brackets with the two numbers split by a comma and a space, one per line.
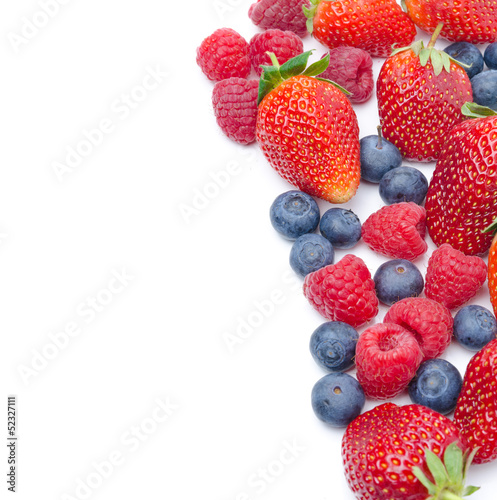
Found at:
[337, 399]
[437, 385]
[333, 346]
[377, 156]
[490, 55]
[342, 228]
[474, 327]
[294, 213]
[403, 184]
[309, 253]
[468, 54]
[397, 279]
[485, 88]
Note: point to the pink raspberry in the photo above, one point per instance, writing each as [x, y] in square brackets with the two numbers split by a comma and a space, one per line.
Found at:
[224, 54]
[235, 106]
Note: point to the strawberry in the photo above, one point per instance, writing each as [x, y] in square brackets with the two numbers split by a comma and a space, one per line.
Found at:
[420, 93]
[372, 25]
[492, 268]
[462, 195]
[307, 129]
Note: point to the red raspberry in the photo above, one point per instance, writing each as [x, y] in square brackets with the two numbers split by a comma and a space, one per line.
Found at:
[387, 357]
[224, 54]
[453, 278]
[430, 323]
[284, 44]
[352, 68]
[280, 14]
[235, 107]
[343, 291]
[397, 231]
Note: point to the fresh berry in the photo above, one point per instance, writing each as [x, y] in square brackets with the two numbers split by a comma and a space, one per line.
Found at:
[333, 346]
[468, 54]
[308, 130]
[284, 45]
[371, 25]
[403, 184]
[474, 327]
[279, 14]
[492, 270]
[378, 156]
[490, 55]
[343, 291]
[397, 279]
[224, 54]
[337, 399]
[352, 68]
[453, 278]
[309, 253]
[341, 227]
[429, 322]
[293, 214]
[476, 410]
[397, 231]
[387, 357]
[485, 89]
[436, 385]
[415, 83]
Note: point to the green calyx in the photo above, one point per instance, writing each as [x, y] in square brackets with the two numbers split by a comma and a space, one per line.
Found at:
[473, 110]
[449, 476]
[310, 12]
[492, 228]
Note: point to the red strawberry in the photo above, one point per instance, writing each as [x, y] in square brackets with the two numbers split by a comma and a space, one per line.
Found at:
[372, 25]
[308, 130]
[397, 231]
[453, 278]
[343, 291]
[492, 270]
[420, 93]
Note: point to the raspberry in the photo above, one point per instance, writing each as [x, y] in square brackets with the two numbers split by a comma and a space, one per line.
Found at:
[343, 291]
[280, 14]
[284, 44]
[453, 278]
[397, 231]
[387, 357]
[224, 54]
[235, 107]
[352, 68]
[430, 323]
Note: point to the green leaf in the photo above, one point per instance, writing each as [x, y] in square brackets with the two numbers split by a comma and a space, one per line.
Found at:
[470, 490]
[445, 60]
[318, 67]
[436, 61]
[453, 460]
[424, 480]
[417, 47]
[335, 84]
[424, 55]
[436, 467]
[309, 24]
[492, 228]
[295, 66]
[473, 110]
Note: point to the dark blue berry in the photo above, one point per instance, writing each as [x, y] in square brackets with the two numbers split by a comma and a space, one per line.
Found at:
[342, 228]
[490, 55]
[309, 253]
[437, 385]
[485, 88]
[333, 346]
[474, 327]
[397, 279]
[294, 213]
[403, 184]
[468, 54]
[337, 399]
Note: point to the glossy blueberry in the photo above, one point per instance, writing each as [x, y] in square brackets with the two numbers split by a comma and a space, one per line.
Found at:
[403, 184]
[397, 279]
[309, 253]
[490, 55]
[294, 213]
[342, 228]
[474, 327]
[437, 385]
[468, 54]
[337, 399]
[333, 346]
[485, 88]
[377, 156]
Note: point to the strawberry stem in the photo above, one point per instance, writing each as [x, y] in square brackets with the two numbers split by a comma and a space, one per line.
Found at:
[380, 138]
[434, 37]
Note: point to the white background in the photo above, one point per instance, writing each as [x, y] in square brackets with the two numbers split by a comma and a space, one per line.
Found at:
[194, 279]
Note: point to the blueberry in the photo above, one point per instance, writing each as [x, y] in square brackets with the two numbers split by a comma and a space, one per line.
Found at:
[397, 279]
[485, 88]
[474, 327]
[378, 156]
[490, 55]
[309, 253]
[403, 184]
[333, 346]
[294, 213]
[468, 54]
[437, 385]
[342, 228]
[337, 399]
